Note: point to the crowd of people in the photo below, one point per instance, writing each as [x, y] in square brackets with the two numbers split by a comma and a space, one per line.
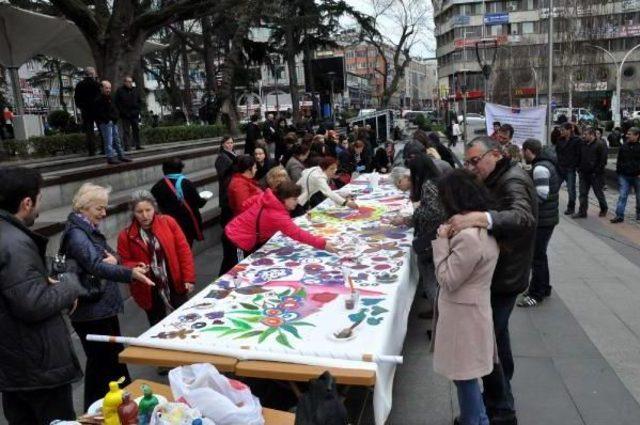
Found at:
[111, 113]
[481, 232]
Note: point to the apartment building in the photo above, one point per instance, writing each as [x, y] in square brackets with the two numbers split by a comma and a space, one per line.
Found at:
[591, 39]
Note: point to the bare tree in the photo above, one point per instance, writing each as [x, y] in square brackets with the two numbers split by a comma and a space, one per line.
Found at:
[411, 21]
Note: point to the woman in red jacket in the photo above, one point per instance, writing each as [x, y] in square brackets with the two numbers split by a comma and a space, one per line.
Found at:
[267, 214]
[242, 185]
[157, 242]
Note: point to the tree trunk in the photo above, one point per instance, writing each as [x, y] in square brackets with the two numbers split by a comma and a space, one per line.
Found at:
[60, 86]
[114, 61]
[290, 56]
[208, 56]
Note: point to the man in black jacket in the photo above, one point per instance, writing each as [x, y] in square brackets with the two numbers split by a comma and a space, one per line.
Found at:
[592, 160]
[129, 105]
[513, 224]
[628, 169]
[547, 183]
[85, 95]
[107, 119]
[567, 146]
[253, 134]
[37, 361]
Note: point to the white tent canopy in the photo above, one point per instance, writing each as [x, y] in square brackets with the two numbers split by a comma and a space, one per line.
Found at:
[25, 34]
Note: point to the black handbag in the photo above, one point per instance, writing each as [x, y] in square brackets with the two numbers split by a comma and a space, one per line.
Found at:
[93, 286]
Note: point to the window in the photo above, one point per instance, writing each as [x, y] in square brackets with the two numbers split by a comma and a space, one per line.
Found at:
[527, 28]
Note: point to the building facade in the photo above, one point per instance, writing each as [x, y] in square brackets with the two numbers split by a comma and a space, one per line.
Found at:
[591, 39]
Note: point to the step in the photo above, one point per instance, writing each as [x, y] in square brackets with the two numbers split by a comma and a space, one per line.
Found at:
[60, 186]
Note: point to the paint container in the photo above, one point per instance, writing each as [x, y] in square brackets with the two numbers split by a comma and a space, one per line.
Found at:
[351, 300]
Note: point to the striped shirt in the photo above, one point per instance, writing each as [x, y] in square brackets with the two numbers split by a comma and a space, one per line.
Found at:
[541, 178]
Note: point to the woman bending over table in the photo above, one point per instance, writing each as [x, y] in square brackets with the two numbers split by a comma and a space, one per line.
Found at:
[156, 241]
[267, 214]
[315, 185]
[464, 347]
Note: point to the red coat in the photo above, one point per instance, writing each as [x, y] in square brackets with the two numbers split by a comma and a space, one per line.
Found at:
[240, 189]
[133, 250]
[275, 217]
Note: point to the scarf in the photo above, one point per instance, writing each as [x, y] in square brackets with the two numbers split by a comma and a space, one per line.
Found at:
[158, 267]
[178, 184]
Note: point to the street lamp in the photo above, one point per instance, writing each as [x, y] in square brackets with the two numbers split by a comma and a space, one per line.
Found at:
[615, 106]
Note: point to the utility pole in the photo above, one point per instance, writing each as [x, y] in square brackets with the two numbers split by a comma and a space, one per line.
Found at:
[550, 94]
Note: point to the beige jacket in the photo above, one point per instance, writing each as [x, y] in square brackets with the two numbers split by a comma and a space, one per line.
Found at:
[464, 345]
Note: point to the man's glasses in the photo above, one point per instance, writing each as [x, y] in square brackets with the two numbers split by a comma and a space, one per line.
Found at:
[475, 160]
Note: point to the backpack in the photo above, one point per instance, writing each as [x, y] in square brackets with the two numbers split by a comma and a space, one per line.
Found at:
[321, 405]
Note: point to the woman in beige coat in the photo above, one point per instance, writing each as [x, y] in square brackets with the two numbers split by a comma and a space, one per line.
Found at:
[464, 347]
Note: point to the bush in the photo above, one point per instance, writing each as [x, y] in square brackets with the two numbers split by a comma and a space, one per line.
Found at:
[62, 144]
[423, 122]
[59, 120]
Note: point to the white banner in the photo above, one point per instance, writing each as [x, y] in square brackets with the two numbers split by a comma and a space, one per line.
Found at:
[528, 123]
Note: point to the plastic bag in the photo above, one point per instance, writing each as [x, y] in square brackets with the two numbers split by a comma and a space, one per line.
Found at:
[223, 400]
[177, 414]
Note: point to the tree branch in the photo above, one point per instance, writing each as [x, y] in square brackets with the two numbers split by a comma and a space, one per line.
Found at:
[78, 12]
[180, 10]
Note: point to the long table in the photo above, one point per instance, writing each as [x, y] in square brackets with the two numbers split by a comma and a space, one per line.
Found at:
[288, 299]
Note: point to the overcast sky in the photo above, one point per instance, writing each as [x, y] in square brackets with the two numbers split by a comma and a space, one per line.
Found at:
[426, 47]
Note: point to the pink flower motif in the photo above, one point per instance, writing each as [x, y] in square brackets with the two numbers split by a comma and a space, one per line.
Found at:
[272, 322]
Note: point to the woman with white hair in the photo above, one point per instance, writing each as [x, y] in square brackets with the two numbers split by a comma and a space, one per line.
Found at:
[98, 270]
[401, 178]
[156, 241]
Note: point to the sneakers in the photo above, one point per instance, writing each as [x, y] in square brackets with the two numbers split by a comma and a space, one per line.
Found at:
[528, 301]
[617, 220]
[112, 161]
[569, 211]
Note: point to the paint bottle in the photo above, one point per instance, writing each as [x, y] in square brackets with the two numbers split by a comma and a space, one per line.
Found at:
[147, 404]
[128, 410]
[112, 400]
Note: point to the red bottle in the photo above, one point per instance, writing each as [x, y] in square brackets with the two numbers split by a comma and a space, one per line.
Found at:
[128, 410]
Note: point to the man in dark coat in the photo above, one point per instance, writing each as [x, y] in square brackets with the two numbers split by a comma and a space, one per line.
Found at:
[513, 224]
[37, 361]
[85, 95]
[253, 134]
[628, 170]
[178, 197]
[547, 182]
[592, 160]
[129, 104]
[567, 146]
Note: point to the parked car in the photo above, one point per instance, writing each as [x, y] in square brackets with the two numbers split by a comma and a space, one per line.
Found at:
[476, 122]
[580, 114]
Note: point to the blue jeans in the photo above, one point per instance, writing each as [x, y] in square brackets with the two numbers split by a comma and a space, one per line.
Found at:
[625, 184]
[111, 138]
[472, 411]
[569, 175]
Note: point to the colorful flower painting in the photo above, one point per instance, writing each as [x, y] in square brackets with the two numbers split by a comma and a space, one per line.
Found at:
[291, 295]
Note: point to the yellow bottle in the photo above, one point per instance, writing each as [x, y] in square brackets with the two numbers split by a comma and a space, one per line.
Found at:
[112, 400]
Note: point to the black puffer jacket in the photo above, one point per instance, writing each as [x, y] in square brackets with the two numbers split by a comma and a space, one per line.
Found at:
[548, 214]
[514, 226]
[629, 160]
[567, 152]
[35, 349]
